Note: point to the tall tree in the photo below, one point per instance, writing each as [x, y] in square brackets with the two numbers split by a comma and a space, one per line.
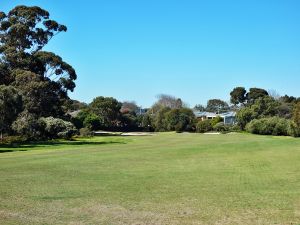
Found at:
[255, 93]
[108, 110]
[43, 77]
[217, 106]
[238, 95]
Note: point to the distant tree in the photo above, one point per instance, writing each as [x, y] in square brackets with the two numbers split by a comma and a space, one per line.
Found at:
[159, 119]
[255, 93]
[92, 122]
[274, 94]
[147, 122]
[169, 101]
[107, 109]
[217, 106]
[262, 107]
[288, 99]
[75, 105]
[238, 95]
[199, 107]
[265, 107]
[10, 107]
[128, 107]
[180, 120]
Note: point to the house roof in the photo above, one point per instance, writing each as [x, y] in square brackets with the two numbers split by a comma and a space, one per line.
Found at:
[210, 114]
[205, 114]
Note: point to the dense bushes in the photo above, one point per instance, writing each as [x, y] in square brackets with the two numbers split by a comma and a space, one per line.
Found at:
[204, 126]
[273, 126]
[33, 128]
[58, 128]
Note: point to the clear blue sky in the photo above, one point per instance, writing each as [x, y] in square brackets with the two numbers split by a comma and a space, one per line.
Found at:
[193, 49]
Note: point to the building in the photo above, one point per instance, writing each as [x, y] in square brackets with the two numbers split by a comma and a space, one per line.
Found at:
[229, 117]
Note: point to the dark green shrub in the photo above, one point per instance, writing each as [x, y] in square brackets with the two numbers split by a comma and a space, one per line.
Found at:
[294, 130]
[58, 128]
[29, 126]
[235, 128]
[221, 127]
[270, 126]
[10, 140]
[204, 126]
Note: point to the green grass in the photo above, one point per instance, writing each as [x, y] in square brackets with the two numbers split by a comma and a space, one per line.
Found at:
[163, 179]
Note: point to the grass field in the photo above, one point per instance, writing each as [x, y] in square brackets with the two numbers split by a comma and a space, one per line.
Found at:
[166, 179]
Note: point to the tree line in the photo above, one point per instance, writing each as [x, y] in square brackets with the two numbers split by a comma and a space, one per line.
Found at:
[34, 101]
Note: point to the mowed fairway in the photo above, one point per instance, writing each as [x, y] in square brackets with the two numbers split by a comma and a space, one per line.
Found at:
[166, 179]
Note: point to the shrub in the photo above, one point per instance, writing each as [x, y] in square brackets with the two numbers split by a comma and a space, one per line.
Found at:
[92, 122]
[86, 132]
[221, 127]
[216, 120]
[10, 140]
[58, 128]
[204, 126]
[294, 130]
[29, 126]
[270, 126]
[234, 128]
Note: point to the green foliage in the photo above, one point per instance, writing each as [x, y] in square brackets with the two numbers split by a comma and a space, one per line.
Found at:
[217, 106]
[179, 120]
[216, 120]
[255, 93]
[58, 128]
[270, 126]
[296, 114]
[92, 121]
[10, 106]
[238, 95]
[204, 126]
[261, 108]
[146, 122]
[221, 127]
[42, 78]
[29, 126]
[107, 109]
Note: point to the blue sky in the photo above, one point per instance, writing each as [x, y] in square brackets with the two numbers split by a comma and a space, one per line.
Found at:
[193, 49]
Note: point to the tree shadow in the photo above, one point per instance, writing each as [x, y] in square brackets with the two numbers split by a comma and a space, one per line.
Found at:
[4, 148]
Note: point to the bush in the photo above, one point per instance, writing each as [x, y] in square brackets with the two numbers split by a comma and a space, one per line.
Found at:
[270, 126]
[204, 126]
[29, 126]
[58, 128]
[216, 120]
[294, 130]
[221, 127]
[234, 128]
[86, 132]
[11, 140]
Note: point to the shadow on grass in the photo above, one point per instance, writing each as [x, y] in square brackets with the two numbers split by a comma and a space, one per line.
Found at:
[32, 145]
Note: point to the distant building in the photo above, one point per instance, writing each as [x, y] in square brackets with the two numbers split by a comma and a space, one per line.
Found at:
[141, 111]
[229, 117]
